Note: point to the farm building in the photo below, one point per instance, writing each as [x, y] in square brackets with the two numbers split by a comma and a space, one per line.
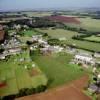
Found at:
[49, 48]
[97, 54]
[36, 37]
[14, 50]
[84, 59]
[2, 56]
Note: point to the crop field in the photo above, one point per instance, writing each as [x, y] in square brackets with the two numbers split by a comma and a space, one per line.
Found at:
[64, 19]
[37, 14]
[15, 76]
[57, 69]
[93, 38]
[90, 24]
[60, 33]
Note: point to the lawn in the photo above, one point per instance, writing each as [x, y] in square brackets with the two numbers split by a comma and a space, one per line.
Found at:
[57, 69]
[17, 77]
[60, 33]
[93, 38]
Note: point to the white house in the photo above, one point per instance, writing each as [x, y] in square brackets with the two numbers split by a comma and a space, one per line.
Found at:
[97, 54]
[14, 50]
[84, 58]
[36, 37]
[2, 57]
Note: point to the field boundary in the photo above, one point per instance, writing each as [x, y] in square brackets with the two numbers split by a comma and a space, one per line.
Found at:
[73, 91]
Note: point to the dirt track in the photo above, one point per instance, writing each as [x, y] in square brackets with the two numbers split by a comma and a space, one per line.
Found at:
[72, 91]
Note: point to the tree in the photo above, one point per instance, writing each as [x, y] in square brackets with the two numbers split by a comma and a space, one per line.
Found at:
[29, 43]
[45, 35]
[54, 41]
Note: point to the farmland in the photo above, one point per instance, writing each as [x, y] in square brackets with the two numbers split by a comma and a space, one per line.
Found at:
[60, 33]
[93, 38]
[17, 77]
[64, 19]
[57, 69]
[37, 14]
[86, 23]
[90, 24]
[28, 33]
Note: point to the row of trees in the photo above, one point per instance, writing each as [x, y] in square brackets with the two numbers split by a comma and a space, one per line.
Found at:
[25, 92]
[81, 37]
[78, 29]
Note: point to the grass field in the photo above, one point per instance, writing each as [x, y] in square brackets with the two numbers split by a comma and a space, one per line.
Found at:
[93, 38]
[60, 33]
[17, 77]
[90, 24]
[57, 69]
[29, 33]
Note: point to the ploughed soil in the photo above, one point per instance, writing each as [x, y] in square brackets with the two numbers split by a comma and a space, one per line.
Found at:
[2, 85]
[72, 91]
[64, 19]
[33, 72]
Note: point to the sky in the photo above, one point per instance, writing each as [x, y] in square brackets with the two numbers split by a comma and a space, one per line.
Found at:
[6, 5]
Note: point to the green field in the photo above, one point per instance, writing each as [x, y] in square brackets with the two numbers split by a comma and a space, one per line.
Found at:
[17, 77]
[29, 33]
[93, 38]
[87, 23]
[57, 69]
[59, 33]
[90, 24]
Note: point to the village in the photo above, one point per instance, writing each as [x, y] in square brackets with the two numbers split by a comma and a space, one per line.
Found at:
[13, 46]
[42, 53]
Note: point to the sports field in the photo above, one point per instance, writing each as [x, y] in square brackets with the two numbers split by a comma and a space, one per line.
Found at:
[57, 69]
[14, 74]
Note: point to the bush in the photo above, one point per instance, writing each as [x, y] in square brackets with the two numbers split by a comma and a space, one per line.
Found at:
[54, 41]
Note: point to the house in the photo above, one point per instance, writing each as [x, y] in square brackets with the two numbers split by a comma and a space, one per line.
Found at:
[2, 56]
[55, 49]
[84, 59]
[36, 37]
[97, 54]
[92, 88]
[14, 50]
[41, 41]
